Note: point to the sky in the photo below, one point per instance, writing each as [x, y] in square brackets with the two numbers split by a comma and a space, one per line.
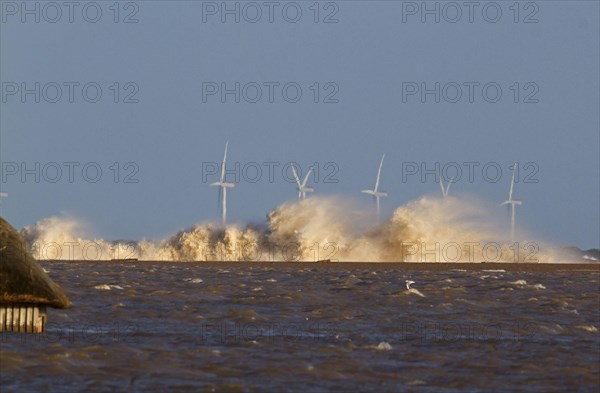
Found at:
[117, 113]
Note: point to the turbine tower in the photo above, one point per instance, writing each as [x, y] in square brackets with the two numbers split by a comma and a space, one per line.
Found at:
[302, 188]
[2, 195]
[447, 188]
[223, 186]
[375, 191]
[512, 203]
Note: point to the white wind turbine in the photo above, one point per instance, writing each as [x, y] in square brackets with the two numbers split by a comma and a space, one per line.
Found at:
[223, 186]
[447, 188]
[512, 203]
[302, 188]
[375, 191]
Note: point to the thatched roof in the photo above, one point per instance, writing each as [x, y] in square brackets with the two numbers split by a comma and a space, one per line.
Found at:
[22, 279]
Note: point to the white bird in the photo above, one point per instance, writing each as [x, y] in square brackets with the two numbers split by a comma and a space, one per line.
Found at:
[223, 186]
[412, 290]
[512, 203]
[375, 191]
[302, 188]
[447, 188]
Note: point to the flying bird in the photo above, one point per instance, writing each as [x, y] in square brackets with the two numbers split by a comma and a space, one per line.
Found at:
[410, 290]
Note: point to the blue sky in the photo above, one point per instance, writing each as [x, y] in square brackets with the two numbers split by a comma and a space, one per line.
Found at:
[364, 67]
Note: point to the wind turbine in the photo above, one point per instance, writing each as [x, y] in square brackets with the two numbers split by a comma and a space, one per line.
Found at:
[512, 203]
[223, 186]
[447, 188]
[302, 189]
[375, 191]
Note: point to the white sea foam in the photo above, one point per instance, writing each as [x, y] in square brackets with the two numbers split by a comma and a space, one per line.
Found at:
[383, 346]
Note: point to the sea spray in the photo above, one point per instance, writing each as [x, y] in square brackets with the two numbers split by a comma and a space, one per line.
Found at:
[428, 229]
[64, 238]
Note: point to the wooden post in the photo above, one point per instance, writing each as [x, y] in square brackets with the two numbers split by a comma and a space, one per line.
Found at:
[23, 319]
[2, 319]
[15, 320]
[8, 318]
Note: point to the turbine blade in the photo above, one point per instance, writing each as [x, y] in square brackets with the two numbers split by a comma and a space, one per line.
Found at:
[296, 176]
[379, 173]
[224, 161]
[306, 177]
[512, 182]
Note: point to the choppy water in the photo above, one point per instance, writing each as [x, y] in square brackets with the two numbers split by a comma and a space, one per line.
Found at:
[205, 327]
